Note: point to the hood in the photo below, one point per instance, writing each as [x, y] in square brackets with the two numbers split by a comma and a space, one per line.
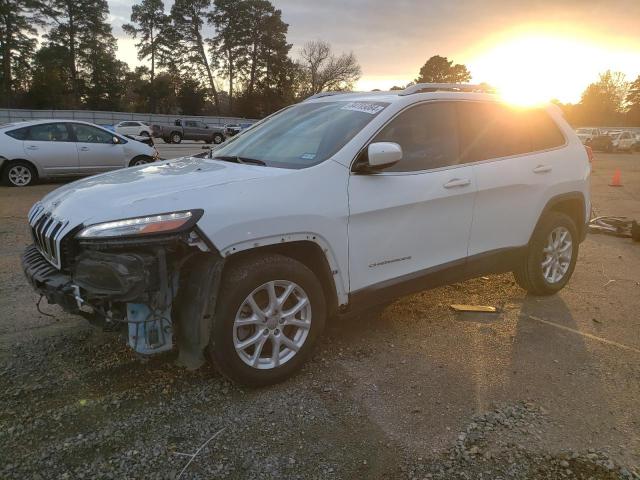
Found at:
[159, 187]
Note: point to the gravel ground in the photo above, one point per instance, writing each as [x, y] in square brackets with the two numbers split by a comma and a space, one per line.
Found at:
[544, 389]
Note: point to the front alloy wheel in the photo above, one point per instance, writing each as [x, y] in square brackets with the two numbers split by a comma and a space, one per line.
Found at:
[270, 312]
[272, 324]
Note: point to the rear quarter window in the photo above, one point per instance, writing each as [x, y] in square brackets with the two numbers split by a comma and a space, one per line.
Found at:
[545, 132]
[19, 133]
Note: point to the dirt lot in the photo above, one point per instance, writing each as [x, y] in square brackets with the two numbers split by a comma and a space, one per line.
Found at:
[547, 388]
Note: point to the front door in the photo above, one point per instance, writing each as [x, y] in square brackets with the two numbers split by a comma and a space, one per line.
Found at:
[96, 150]
[413, 218]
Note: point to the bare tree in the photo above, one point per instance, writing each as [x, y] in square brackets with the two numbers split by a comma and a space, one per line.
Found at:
[324, 71]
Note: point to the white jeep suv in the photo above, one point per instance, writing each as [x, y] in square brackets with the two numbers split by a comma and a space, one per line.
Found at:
[328, 207]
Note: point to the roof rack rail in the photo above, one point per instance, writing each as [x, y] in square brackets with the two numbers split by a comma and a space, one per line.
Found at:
[325, 94]
[446, 87]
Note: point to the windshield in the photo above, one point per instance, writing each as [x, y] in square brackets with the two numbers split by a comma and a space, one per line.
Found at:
[303, 135]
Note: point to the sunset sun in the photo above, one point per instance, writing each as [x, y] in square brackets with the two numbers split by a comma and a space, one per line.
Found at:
[537, 65]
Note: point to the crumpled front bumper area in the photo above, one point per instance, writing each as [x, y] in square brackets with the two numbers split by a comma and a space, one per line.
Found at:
[54, 285]
[147, 289]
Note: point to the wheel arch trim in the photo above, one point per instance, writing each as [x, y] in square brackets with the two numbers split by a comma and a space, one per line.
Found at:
[7, 162]
[562, 198]
[338, 276]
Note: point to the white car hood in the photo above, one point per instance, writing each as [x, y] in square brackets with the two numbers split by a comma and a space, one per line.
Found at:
[174, 185]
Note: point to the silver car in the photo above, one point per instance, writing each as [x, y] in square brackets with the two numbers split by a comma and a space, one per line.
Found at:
[48, 148]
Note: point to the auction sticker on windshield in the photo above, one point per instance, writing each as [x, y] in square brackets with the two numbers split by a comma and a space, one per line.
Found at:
[364, 107]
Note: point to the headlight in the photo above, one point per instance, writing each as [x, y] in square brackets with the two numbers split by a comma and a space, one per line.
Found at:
[152, 224]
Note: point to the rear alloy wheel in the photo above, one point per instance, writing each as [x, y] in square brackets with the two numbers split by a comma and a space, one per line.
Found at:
[551, 256]
[19, 174]
[270, 312]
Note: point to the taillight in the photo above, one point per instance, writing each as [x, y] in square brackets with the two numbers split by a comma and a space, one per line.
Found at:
[589, 153]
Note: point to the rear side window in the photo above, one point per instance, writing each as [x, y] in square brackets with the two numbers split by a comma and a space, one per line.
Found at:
[19, 133]
[491, 130]
[49, 132]
[427, 135]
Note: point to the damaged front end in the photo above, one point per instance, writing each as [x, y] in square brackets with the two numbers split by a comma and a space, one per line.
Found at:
[149, 276]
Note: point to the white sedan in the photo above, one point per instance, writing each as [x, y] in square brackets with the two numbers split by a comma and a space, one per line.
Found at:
[49, 148]
[141, 129]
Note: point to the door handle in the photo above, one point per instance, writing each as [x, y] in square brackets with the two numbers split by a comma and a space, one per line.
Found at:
[542, 169]
[84, 149]
[32, 147]
[457, 182]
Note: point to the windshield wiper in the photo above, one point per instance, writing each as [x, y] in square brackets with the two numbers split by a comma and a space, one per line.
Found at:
[237, 159]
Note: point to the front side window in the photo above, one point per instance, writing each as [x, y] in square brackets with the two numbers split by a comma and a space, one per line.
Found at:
[49, 132]
[89, 134]
[427, 134]
[303, 135]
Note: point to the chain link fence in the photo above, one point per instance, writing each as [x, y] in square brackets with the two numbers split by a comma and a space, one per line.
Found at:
[8, 115]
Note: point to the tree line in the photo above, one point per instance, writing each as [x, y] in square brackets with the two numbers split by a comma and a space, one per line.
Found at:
[611, 101]
[206, 57]
[202, 57]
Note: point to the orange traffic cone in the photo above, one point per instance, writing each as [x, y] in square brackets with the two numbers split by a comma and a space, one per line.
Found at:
[615, 181]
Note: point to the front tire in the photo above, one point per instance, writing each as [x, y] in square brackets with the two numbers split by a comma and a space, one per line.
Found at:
[270, 313]
[142, 160]
[176, 137]
[218, 139]
[19, 174]
[551, 255]
[144, 133]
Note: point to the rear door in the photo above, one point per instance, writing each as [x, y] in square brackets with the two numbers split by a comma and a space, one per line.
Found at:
[51, 146]
[414, 216]
[96, 150]
[517, 162]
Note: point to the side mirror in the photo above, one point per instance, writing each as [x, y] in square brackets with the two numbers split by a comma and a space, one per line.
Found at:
[382, 154]
[115, 140]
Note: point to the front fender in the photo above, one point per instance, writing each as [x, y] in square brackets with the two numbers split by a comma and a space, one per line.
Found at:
[340, 277]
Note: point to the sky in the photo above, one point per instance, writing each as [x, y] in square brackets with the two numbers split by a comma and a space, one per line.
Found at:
[530, 50]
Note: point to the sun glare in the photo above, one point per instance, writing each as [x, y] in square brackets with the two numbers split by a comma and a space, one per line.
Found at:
[529, 68]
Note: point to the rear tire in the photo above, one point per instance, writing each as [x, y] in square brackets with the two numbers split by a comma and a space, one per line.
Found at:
[19, 174]
[551, 255]
[264, 320]
[218, 138]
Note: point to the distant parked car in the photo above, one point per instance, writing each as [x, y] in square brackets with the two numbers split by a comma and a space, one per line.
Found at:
[183, 129]
[623, 142]
[587, 134]
[232, 129]
[48, 148]
[141, 129]
[601, 143]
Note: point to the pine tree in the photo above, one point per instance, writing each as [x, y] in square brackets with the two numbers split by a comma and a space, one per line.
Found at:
[149, 22]
[18, 22]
